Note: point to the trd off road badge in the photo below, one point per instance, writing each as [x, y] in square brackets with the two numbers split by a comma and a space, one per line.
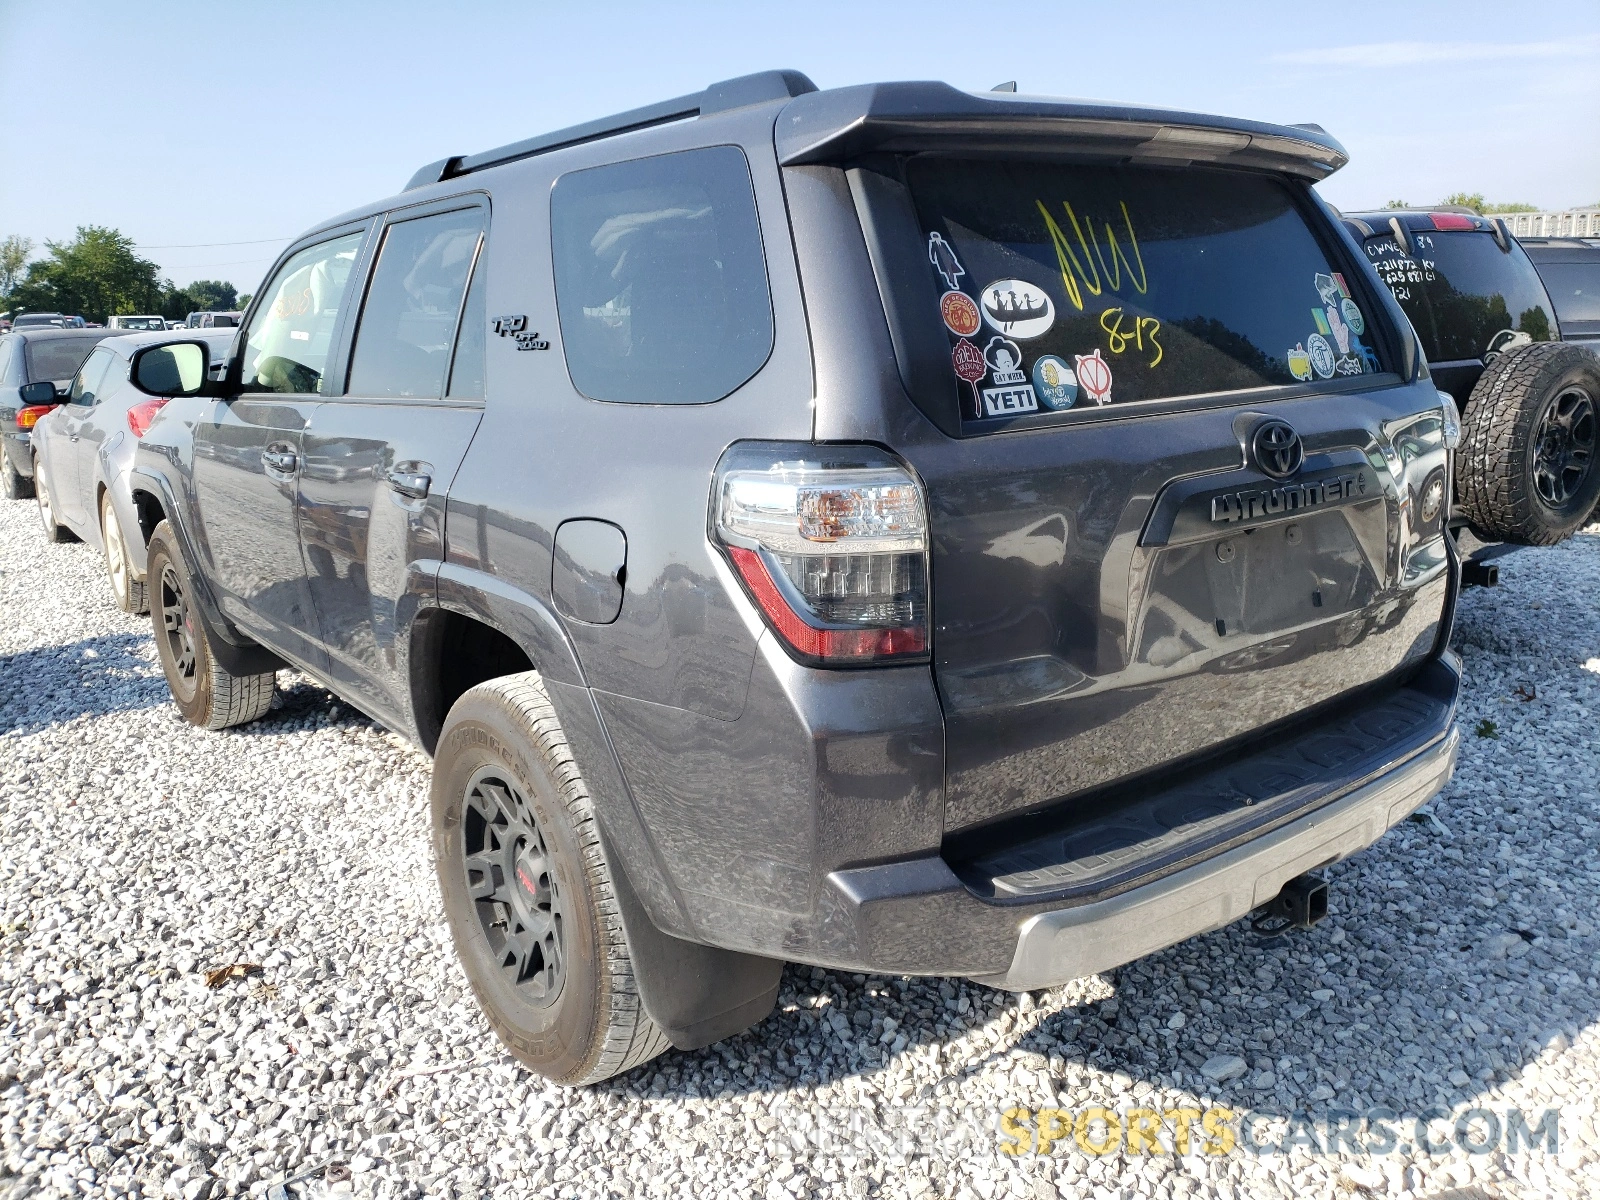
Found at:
[1011, 393]
[1017, 308]
[1054, 382]
[1094, 376]
[960, 314]
[516, 327]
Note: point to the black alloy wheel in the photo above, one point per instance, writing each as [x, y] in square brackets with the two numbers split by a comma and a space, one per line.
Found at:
[177, 621]
[1564, 447]
[513, 888]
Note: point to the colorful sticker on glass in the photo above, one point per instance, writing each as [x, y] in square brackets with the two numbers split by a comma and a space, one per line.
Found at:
[943, 257]
[960, 314]
[1352, 316]
[1054, 382]
[968, 362]
[1094, 376]
[1017, 308]
[1321, 355]
[1005, 360]
[1300, 363]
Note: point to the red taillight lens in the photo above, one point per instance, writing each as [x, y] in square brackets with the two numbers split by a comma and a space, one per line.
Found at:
[833, 553]
[28, 417]
[141, 414]
[1453, 221]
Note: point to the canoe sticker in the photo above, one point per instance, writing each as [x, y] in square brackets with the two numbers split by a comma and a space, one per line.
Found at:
[1094, 376]
[1300, 362]
[944, 260]
[1054, 382]
[1321, 355]
[960, 314]
[1017, 308]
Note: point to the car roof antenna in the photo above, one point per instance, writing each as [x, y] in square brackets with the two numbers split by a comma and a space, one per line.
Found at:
[1009, 86]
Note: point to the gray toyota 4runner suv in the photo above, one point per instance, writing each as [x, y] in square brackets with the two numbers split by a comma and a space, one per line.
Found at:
[891, 528]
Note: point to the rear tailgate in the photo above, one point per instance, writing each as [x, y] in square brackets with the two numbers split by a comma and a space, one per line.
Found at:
[1187, 500]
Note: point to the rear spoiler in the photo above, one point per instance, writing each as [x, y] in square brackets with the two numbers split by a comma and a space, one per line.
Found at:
[845, 123]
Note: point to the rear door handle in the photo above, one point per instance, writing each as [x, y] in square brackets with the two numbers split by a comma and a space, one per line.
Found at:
[280, 459]
[412, 484]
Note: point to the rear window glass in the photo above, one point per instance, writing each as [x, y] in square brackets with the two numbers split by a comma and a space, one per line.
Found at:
[1574, 289]
[58, 358]
[661, 284]
[1071, 286]
[1468, 298]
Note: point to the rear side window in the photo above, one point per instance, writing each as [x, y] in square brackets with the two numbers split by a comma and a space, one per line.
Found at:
[1574, 289]
[291, 334]
[1071, 286]
[661, 283]
[467, 371]
[57, 358]
[408, 324]
[1467, 297]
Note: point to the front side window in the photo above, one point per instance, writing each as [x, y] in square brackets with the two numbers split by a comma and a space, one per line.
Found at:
[87, 383]
[661, 282]
[1071, 286]
[408, 323]
[1468, 298]
[291, 335]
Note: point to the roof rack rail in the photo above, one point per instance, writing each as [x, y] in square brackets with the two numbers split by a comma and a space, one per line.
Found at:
[719, 97]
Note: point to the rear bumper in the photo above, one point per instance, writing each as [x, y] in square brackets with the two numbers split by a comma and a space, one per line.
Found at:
[918, 916]
[1053, 947]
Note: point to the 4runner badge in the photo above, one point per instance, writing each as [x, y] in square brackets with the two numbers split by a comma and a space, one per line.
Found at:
[517, 327]
[1259, 503]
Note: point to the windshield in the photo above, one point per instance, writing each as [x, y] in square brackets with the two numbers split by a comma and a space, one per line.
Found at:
[1071, 285]
[1468, 298]
[57, 358]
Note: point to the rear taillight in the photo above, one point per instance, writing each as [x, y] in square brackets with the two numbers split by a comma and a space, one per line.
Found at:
[832, 545]
[28, 417]
[144, 412]
[1453, 221]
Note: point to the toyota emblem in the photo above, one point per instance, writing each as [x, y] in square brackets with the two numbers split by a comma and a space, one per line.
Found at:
[1277, 449]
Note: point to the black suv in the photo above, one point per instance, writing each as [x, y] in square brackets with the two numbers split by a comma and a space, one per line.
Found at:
[1570, 269]
[892, 528]
[1530, 405]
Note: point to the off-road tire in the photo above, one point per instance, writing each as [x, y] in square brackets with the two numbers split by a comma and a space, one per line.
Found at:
[594, 1027]
[206, 693]
[1494, 474]
[13, 485]
[54, 531]
[131, 594]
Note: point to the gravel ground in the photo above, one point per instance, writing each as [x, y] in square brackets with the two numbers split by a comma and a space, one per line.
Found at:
[1457, 970]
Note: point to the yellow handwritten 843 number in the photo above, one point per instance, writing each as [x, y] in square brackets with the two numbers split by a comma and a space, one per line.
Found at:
[1144, 330]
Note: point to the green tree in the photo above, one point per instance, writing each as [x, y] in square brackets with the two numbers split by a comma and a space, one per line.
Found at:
[1476, 202]
[14, 254]
[1398, 204]
[96, 275]
[212, 295]
[244, 300]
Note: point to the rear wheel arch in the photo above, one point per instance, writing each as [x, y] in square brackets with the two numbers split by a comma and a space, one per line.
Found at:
[151, 512]
[451, 652]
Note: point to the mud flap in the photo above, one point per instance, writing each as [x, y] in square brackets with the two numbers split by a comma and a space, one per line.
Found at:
[695, 994]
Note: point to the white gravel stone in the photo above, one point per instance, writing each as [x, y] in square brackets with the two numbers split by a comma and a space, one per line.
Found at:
[1457, 968]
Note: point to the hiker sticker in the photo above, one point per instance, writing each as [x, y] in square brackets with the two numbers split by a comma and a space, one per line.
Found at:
[1300, 363]
[1017, 308]
[944, 260]
[960, 314]
[1004, 359]
[1321, 355]
[1054, 382]
[968, 362]
[1094, 376]
[1352, 316]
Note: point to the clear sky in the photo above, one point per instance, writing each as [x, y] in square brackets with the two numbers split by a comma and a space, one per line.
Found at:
[187, 125]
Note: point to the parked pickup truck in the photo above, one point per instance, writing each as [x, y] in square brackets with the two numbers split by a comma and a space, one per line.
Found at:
[892, 528]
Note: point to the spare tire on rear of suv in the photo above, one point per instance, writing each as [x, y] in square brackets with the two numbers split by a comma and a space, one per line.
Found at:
[1526, 470]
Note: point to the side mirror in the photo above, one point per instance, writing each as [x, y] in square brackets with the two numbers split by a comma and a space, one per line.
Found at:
[171, 369]
[43, 392]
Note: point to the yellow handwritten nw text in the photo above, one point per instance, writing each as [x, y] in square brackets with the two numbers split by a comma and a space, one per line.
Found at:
[1079, 275]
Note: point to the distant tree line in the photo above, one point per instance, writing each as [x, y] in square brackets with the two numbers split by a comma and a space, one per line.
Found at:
[1474, 201]
[99, 274]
